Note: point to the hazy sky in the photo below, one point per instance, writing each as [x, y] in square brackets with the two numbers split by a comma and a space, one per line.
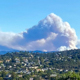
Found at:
[18, 15]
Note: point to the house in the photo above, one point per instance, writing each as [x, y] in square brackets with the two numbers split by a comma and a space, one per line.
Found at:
[66, 70]
[8, 60]
[10, 66]
[1, 61]
[19, 75]
[35, 67]
[31, 55]
[0, 66]
[50, 69]
[38, 70]
[24, 71]
[28, 72]
[31, 79]
[44, 69]
[60, 69]
[17, 60]
[8, 77]
[19, 72]
[53, 75]
[25, 60]
[3, 65]
[14, 65]
[24, 64]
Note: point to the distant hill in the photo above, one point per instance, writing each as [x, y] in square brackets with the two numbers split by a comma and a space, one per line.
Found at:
[36, 51]
[4, 50]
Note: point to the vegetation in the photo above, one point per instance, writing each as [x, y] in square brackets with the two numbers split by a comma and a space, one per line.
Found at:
[25, 65]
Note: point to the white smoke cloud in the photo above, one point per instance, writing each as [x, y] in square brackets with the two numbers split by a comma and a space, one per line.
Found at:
[78, 43]
[8, 39]
[62, 48]
[50, 34]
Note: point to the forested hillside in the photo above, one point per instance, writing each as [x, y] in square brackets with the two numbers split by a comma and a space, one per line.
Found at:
[26, 65]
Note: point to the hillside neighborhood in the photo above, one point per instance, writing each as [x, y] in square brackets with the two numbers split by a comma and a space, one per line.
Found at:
[42, 65]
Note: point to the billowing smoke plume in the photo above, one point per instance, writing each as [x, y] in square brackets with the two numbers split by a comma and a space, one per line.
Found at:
[50, 34]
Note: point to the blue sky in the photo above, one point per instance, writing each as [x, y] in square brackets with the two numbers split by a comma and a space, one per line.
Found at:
[19, 15]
